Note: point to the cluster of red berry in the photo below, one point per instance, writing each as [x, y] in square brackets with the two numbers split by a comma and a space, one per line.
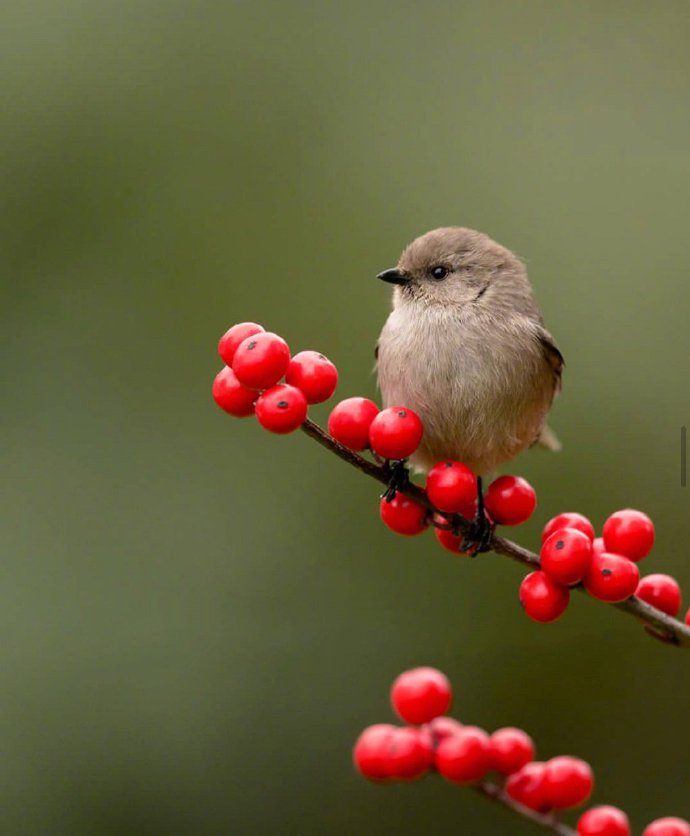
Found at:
[256, 360]
[606, 566]
[451, 487]
[571, 554]
[467, 754]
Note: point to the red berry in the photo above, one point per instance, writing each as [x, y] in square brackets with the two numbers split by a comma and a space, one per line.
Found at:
[229, 342]
[409, 753]
[611, 578]
[603, 821]
[511, 749]
[630, 533]
[451, 487]
[566, 555]
[350, 420]
[687, 618]
[661, 591]
[403, 515]
[569, 519]
[510, 500]
[464, 757]
[420, 694]
[232, 396]
[450, 541]
[669, 826]
[281, 409]
[314, 374]
[527, 786]
[260, 361]
[370, 754]
[543, 599]
[395, 433]
[568, 782]
[598, 546]
[440, 728]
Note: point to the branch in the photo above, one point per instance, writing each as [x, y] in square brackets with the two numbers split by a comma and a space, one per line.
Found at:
[660, 625]
[547, 822]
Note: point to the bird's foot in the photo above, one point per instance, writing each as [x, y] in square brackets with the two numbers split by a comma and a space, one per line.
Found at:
[398, 478]
[477, 538]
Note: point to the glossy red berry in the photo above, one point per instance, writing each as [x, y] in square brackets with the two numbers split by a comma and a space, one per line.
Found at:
[568, 782]
[669, 826]
[261, 360]
[566, 555]
[630, 533]
[603, 821]
[350, 420]
[510, 500]
[451, 542]
[395, 433]
[410, 754]
[527, 786]
[232, 396]
[314, 374]
[370, 754]
[229, 342]
[511, 749]
[421, 694]
[403, 515]
[464, 757]
[598, 546]
[451, 487]
[661, 591]
[281, 409]
[440, 728]
[543, 599]
[611, 578]
[569, 519]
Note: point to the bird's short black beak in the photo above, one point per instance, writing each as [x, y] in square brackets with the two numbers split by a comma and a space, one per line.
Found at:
[393, 276]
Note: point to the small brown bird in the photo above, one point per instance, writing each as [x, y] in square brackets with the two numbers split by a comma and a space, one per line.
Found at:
[465, 347]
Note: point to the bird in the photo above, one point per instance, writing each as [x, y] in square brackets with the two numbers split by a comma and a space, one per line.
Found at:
[466, 348]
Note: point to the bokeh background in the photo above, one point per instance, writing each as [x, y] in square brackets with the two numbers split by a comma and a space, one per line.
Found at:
[197, 618]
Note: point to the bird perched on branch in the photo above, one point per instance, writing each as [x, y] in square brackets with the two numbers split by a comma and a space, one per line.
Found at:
[465, 347]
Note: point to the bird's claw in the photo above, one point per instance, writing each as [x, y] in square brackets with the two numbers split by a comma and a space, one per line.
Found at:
[478, 537]
[398, 478]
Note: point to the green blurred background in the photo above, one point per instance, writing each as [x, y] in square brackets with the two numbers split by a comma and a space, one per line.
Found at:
[197, 617]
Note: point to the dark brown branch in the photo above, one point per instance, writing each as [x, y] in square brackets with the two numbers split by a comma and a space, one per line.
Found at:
[546, 822]
[665, 627]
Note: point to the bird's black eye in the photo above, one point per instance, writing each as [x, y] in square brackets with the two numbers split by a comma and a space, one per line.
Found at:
[439, 272]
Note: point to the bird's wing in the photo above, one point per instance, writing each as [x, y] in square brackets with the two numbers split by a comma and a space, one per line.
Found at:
[552, 356]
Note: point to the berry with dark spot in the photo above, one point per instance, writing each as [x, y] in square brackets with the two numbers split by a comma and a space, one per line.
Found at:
[261, 360]
[281, 409]
[611, 577]
[229, 342]
[566, 555]
[395, 433]
[451, 487]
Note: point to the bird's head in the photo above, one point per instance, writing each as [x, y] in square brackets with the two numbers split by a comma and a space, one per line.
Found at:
[455, 266]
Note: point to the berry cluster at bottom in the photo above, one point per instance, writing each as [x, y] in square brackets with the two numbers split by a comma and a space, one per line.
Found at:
[465, 754]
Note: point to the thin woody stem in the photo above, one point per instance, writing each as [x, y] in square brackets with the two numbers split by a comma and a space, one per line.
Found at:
[546, 822]
[660, 625]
